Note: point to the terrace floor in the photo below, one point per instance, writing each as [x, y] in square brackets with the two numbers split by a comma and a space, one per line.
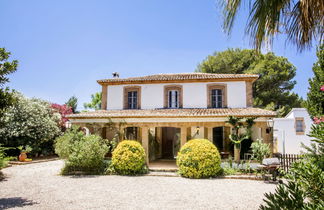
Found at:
[163, 164]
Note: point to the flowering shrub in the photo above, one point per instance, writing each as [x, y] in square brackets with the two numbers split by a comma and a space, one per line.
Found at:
[199, 158]
[63, 110]
[129, 158]
[29, 121]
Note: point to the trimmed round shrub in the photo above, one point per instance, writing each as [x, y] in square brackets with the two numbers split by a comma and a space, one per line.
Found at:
[199, 158]
[129, 158]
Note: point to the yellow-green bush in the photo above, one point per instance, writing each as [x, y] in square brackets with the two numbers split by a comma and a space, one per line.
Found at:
[199, 158]
[129, 158]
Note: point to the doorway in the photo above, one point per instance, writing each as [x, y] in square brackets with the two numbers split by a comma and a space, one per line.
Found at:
[170, 142]
[218, 138]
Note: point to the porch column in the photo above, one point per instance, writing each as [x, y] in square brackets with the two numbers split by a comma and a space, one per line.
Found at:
[210, 134]
[122, 133]
[159, 139]
[183, 131]
[145, 142]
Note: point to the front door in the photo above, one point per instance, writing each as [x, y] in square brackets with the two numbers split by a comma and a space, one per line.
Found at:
[218, 138]
[168, 142]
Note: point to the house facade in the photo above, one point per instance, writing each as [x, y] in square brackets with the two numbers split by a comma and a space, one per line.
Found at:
[164, 111]
[292, 130]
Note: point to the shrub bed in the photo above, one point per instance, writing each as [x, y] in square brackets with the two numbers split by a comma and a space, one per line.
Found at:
[129, 158]
[199, 158]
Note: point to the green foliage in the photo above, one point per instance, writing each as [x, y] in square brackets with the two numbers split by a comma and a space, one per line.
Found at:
[199, 158]
[29, 122]
[260, 150]
[315, 97]
[6, 67]
[95, 102]
[305, 183]
[87, 156]
[25, 149]
[2, 157]
[275, 72]
[64, 144]
[83, 154]
[237, 124]
[129, 158]
[304, 189]
[301, 21]
[73, 103]
[317, 132]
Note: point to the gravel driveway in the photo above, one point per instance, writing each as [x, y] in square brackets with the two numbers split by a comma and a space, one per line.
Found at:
[38, 186]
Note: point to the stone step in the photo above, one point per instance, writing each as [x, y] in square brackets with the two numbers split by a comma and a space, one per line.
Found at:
[161, 173]
[163, 169]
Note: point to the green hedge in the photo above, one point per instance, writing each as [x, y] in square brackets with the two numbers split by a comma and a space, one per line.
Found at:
[199, 158]
[129, 158]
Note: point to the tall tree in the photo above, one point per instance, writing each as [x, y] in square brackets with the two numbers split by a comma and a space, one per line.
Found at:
[272, 90]
[95, 102]
[301, 20]
[315, 96]
[73, 103]
[6, 67]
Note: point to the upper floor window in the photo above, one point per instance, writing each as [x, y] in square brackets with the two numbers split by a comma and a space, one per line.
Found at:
[299, 125]
[173, 99]
[132, 100]
[132, 97]
[216, 97]
[173, 96]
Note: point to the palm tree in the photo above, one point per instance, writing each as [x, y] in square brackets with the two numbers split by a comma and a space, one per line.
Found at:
[301, 20]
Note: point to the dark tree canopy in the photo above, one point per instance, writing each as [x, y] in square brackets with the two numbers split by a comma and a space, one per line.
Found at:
[6, 67]
[315, 97]
[272, 90]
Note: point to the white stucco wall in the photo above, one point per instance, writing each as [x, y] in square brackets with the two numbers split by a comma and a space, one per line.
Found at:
[194, 95]
[285, 133]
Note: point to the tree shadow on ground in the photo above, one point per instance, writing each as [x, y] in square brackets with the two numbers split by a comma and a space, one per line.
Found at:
[6, 203]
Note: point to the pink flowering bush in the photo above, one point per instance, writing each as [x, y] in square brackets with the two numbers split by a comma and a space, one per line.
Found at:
[318, 120]
[63, 110]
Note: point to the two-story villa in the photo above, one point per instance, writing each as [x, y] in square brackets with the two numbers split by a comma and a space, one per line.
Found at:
[163, 111]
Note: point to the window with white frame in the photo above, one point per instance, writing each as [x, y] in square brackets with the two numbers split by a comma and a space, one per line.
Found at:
[132, 100]
[173, 99]
[216, 98]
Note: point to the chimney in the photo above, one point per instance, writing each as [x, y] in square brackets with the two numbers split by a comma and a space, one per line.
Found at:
[115, 75]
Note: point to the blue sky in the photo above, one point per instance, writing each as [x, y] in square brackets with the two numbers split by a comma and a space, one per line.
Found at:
[63, 47]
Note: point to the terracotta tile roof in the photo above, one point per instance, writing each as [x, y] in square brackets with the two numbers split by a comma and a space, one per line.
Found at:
[179, 76]
[142, 113]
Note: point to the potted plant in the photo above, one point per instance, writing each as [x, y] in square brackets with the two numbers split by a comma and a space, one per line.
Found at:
[23, 152]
